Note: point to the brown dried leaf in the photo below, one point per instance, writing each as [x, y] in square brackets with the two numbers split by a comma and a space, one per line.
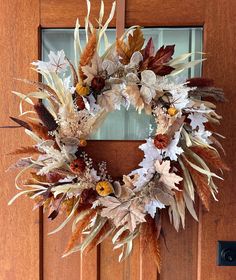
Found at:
[157, 63]
[40, 130]
[25, 150]
[81, 225]
[21, 123]
[200, 82]
[175, 126]
[210, 156]
[201, 184]
[45, 116]
[135, 43]
[103, 233]
[73, 72]
[150, 232]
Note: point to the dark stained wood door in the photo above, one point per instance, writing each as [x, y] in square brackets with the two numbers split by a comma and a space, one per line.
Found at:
[27, 252]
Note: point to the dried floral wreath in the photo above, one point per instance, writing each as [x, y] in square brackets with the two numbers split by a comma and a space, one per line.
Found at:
[176, 161]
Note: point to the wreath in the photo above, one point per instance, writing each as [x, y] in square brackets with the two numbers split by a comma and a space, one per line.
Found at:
[68, 108]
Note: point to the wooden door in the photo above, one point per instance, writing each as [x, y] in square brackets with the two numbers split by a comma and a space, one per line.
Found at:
[27, 252]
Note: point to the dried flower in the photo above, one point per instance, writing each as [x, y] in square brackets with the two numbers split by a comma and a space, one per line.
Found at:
[77, 166]
[82, 89]
[161, 141]
[98, 83]
[82, 143]
[104, 188]
[172, 111]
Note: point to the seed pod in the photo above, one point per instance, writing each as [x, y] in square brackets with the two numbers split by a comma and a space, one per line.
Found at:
[161, 141]
[78, 166]
[98, 83]
[82, 143]
[80, 102]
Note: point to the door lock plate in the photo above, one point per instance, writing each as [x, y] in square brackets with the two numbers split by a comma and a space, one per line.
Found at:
[227, 253]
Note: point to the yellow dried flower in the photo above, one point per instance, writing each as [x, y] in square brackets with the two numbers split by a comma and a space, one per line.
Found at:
[82, 143]
[82, 89]
[172, 111]
[104, 188]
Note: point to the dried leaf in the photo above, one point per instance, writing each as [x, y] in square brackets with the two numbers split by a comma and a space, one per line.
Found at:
[21, 123]
[81, 225]
[175, 126]
[103, 233]
[150, 232]
[210, 156]
[45, 116]
[25, 150]
[135, 43]
[73, 72]
[137, 100]
[157, 63]
[122, 213]
[167, 178]
[200, 82]
[201, 184]
[149, 50]
[40, 130]
[41, 86]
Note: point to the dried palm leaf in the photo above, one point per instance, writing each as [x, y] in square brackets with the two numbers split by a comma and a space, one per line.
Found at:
[150, 239]
[210, 156]
[103, 233]
[73, 72]
[40, 130]
[81, 225]
[21, 123]
[201, 184]
[25, 150]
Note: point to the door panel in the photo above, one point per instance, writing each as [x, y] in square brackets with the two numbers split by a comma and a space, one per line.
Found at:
[20, 226]
[27, 252]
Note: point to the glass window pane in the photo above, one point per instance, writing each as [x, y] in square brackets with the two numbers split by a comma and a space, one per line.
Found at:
[129, 125]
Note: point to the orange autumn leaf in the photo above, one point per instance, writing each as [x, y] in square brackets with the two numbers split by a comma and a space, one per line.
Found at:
[135, 43]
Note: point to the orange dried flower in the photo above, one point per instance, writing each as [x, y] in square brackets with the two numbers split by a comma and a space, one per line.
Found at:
[104, 188]
[161, 141]
[77, 166]
[82, 143]
[172, 111]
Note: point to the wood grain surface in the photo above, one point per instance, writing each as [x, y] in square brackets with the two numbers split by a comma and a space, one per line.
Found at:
[19, 225]
[63, 13]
